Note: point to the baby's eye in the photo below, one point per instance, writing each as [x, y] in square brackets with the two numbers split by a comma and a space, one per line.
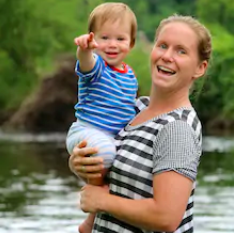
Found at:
[104, 37]
[120, 38]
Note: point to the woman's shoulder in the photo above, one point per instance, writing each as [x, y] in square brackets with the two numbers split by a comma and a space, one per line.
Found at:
[180, 121]
[187, 115]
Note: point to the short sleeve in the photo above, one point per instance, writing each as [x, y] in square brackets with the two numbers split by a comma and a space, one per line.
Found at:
[177, 148]
[94, 73]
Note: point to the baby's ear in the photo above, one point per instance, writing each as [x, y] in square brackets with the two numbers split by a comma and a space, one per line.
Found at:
[132, 43]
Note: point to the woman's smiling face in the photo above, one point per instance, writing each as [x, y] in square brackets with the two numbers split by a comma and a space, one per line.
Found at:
[174, 59]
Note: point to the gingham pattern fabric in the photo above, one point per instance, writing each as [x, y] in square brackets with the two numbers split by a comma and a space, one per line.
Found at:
[170, 141]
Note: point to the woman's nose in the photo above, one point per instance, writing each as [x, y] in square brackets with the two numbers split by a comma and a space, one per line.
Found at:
[168, 55]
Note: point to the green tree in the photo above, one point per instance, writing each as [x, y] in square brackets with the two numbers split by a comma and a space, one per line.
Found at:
[32, 33]
[216, 97]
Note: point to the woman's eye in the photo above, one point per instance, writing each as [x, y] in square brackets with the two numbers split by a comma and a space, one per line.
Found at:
[163, 46]
[181, 51]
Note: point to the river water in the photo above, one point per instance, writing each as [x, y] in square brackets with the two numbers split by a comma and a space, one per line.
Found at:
[38, 193]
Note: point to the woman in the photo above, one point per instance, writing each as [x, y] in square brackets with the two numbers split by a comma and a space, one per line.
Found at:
[152, 180]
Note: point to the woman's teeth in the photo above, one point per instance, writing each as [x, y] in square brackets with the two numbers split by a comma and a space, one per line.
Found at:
[164, 69]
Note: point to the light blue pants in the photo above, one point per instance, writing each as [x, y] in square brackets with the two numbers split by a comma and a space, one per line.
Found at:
[95, 137]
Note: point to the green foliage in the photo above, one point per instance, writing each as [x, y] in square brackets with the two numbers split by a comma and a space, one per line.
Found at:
[221, 9]
[138, 59]
[33, 33]
[22, 42]
[150, 12]
[216, 100]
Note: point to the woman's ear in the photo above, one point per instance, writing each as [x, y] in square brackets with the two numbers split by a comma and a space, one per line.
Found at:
[201, 69]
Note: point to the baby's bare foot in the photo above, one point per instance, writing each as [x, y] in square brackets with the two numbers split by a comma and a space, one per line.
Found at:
[85, 227]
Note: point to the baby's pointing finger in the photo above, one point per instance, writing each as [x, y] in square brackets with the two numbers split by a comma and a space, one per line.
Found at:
[91, 36]
[76, 41]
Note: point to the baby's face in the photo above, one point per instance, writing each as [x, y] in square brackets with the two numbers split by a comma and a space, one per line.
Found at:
[114, 42]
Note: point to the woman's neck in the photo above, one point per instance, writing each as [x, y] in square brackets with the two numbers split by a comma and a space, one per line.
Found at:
[160, 104]
[166, 102]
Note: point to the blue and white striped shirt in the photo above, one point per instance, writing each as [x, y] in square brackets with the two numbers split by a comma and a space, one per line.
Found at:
[106, 96]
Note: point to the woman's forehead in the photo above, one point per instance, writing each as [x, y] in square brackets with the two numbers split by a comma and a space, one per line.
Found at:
[178, 33]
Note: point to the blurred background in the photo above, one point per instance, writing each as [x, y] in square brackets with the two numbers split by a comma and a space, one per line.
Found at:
[38, 91]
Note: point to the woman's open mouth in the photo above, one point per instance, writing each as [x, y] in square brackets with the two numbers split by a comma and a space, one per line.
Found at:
[165, 70]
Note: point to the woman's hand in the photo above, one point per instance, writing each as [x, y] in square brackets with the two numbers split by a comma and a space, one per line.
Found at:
[83, 165]
[93, 198]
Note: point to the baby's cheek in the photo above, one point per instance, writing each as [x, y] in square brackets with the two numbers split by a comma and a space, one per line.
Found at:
[126, 48]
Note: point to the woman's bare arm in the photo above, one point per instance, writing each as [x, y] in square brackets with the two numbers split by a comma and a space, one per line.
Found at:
[163, 212]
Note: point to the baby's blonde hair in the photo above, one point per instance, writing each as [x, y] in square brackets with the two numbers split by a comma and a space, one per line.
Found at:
[113, 11]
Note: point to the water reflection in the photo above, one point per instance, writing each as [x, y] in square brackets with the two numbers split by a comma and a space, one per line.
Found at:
[215, 194]
[39, 194]
[214, 209]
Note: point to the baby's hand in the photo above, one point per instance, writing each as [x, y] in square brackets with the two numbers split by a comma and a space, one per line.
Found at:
[86, 41]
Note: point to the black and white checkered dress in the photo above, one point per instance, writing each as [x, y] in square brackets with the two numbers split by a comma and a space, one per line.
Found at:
[171, 141]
